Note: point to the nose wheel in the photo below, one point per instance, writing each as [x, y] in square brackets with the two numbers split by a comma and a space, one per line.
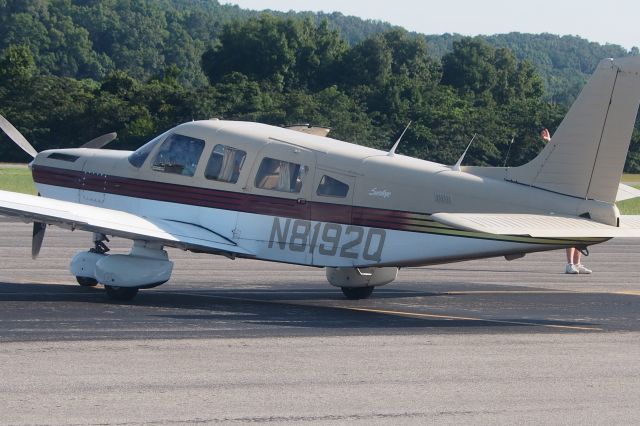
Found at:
[87, 281]
[100, 248]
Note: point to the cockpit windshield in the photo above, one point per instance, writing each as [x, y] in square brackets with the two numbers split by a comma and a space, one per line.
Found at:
[179, 154]
[139, 156]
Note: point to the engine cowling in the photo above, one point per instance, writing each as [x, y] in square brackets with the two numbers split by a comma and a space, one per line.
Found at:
[361, 277]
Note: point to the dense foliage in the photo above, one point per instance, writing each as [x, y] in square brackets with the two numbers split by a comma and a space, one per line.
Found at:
[563, 62]
[72, 70]
[91, 38]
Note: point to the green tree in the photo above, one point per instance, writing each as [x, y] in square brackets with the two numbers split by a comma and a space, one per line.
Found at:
[469, 68]
[16, 63]
[285, 53]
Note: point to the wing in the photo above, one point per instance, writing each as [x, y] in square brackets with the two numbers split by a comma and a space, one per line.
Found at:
[114, 222]
[539, 226]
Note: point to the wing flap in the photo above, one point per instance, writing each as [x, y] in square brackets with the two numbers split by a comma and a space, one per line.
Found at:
[539, 226]
[114, 222]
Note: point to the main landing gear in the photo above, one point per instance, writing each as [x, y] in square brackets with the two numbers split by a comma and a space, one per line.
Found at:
[358, 283]
[121, 294]
[357, 293]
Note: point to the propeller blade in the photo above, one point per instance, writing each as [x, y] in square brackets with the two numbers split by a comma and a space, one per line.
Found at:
[38, 236]
[17, 137]
[100, 141]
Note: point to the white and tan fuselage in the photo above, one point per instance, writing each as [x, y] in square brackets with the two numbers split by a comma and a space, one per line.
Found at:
[384, 219]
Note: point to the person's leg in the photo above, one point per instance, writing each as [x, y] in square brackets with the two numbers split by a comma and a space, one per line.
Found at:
[577, 261]
[570, 253]
[571, 267]
[576, 256]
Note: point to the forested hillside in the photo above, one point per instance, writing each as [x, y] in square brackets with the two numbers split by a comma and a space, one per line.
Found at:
[90, 38]
[70, 71]
[564, 62]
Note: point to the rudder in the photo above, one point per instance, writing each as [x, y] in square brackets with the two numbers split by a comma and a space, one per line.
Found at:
[586, 155]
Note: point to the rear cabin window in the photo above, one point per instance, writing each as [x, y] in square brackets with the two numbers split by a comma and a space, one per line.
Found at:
[330, 187]
[280, 175]
[179, 155]
[225, 164]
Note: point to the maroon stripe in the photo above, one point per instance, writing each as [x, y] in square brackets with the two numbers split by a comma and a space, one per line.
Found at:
[336, 213]
[380, 218]
[56, 176]
[144, 185]
[213, 198]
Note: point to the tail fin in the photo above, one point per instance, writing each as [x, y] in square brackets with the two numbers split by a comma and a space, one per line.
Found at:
[586, 155]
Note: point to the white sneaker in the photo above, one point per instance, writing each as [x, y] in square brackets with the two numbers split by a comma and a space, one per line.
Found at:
[583, 269]
[571, 269]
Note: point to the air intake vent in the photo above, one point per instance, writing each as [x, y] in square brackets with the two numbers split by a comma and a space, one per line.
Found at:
[64, 157]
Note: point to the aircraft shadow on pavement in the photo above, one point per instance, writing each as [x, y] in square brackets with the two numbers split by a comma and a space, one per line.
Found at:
[277, 311]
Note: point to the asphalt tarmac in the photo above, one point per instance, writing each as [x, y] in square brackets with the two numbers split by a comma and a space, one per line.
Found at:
[245, 341]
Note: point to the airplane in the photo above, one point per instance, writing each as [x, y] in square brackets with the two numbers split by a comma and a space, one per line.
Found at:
[250, 190]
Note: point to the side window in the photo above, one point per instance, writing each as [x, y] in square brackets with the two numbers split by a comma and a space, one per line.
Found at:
[178, 154]
[280, 175]
[225, 164]
[330, 187]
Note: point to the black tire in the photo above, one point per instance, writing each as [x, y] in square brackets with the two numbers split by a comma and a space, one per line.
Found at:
[357, 293]
[87, 281]
[121, 294]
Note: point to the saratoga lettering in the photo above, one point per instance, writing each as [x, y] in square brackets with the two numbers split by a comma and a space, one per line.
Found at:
[327, 239]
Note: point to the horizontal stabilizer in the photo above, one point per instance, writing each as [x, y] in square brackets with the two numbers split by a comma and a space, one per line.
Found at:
[114, 222]
[626, 192]
[539, 226]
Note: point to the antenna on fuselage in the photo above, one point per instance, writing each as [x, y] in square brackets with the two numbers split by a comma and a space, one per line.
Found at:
[506, 157]
[456, 166]
[392, 151]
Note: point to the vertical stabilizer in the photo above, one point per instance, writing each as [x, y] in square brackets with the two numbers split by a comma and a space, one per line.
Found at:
[586, 155]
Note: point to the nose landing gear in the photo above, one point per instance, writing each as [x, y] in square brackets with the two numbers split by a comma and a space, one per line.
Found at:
[99, 249]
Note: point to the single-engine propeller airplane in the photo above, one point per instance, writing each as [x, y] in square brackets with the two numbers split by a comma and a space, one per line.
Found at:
[250, 190]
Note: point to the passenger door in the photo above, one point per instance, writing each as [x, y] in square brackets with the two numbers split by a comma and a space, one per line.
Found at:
[278, 214]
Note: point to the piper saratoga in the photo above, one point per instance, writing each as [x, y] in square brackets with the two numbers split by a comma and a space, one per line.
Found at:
[250, 190]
